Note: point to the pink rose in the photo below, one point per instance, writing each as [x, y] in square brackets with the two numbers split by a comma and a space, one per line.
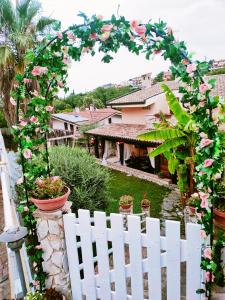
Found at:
[140, 30]
[35, 282]
[204, 87]
[203, 234]
[134, 24]
[104, 36]
[27, 153]
[93, 36]
[27, 80]
[203, 196]
[49, 108]
[59, 35]
[23, 123]
[208, 162]
[209, 276]
[70, 35]
[205, 143]
[204, 204]
[191, 68]
[202, 104]
[25, 209]
[60, 84]
[12, 101]
[66, 60]
[34, 119]
[38, 70]
[106, 28]
[207, 253]
[203, 135]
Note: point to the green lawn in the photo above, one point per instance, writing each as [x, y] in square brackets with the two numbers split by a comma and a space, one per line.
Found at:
[121, 184]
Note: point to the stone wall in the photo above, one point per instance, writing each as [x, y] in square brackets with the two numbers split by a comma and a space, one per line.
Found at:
[50, 232]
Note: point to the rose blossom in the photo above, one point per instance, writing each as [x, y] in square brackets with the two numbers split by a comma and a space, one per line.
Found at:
[99, 17]
[66, 60]
[205, 143]
[203, 135]
[203, 234]
[70, 35]
[134, 24]
[106, 28]
[207, 253]
[27, 153]
[93, 36]
[12, 101]
[204, 87]
[26, 80]
[59, 35]
[207, 276]
[35, 282]
[34, 119]
[38, 70]
[208, 162]
[191, 68]
[23, 123]
[140, 29]
[104, 36]
[60, 83]
[49, 108]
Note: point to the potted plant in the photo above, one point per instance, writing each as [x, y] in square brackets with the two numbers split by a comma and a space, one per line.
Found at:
[145, 203]
[50, 193]
[126, 201]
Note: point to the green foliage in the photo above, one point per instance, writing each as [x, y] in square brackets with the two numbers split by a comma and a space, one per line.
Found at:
[3, 123]
[82, 173]
[158, 77]
[61, 106]
[34, 296]
[217, 72]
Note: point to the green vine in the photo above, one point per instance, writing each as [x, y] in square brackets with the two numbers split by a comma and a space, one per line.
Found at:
[46, 73]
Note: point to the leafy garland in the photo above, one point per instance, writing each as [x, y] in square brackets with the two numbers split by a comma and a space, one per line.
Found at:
[46, 73]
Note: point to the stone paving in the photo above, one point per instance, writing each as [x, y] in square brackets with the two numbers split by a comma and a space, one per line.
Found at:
[4, 275]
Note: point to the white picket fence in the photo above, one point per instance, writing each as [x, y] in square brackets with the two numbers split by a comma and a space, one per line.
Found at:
[109, 280]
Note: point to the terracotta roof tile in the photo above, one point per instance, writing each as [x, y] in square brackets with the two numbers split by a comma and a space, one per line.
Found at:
[121, 131]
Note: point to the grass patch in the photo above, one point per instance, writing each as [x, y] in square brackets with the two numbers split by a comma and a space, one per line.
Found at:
[121, 184]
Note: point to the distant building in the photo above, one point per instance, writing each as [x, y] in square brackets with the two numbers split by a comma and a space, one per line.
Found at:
[218, 64]
[143, 81]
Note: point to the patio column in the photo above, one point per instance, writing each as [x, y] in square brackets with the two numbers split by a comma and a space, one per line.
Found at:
[102, 147]
[121, 147]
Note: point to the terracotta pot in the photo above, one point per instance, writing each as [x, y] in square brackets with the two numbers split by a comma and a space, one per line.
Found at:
[219, 218]
[125, 206]
[51, 204]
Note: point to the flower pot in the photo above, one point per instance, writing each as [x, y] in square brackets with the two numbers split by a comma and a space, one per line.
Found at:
[51, 204]
[219, 218]
[125, 206]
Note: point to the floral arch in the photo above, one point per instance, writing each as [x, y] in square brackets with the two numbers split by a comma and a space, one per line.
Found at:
[46, 73]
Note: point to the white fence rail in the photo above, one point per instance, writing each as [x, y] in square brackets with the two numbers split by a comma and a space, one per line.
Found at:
[134, 257]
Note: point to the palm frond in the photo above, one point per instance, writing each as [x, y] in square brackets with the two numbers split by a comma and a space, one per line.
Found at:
[167, 145]
[161, 134]
[6, 55]
[43, 23]
[180, 114]
[7, 15]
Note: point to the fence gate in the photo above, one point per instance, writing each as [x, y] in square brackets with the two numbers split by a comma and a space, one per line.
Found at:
[107, 262]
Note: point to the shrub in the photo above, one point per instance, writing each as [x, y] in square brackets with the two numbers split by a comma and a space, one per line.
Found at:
[82, 173]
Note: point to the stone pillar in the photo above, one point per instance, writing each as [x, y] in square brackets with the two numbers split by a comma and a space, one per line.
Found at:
[50, 233]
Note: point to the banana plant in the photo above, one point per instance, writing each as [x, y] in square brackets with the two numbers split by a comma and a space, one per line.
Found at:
[173, 138]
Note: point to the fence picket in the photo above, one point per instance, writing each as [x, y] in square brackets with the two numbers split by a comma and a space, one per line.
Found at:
[87, 254]
[173, 259]
[154, 258]
[135, 251]
[102, 254]
[193, 281]
[118, 256]
[72, 254]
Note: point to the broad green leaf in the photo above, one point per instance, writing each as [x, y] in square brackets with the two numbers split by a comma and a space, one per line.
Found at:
[161, 134]
[172, 165]
[167, 145]
[180, 114]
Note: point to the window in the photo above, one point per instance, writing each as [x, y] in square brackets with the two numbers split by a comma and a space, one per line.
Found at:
[109, 120]
[66, 126]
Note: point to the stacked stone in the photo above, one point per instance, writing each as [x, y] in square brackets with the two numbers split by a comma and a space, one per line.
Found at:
[51, 236]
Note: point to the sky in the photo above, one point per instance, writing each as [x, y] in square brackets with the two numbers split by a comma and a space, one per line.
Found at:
[200, 23]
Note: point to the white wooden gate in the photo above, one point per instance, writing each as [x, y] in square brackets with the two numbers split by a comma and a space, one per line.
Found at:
[105, 273]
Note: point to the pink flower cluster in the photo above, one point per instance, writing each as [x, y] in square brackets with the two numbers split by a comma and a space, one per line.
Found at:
[139, 29]
[207, 276]
[207, 253]
[38, 71]
[70, 35]
[204, 87]
[205, 143]
[208, 162]
[191, 68]
[49, 108]
[204, 197]
[26, 80]
[27, 153]
[106, 31]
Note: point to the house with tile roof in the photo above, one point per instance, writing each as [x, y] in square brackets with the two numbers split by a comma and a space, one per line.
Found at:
[140, 109]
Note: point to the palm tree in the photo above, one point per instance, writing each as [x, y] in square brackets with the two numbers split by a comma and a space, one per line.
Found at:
[175, 138]
[20, 29]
